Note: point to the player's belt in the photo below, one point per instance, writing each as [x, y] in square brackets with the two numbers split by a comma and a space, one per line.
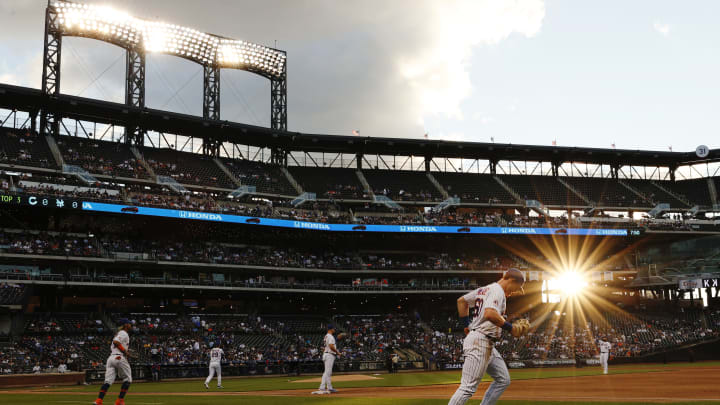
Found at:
[492, 339]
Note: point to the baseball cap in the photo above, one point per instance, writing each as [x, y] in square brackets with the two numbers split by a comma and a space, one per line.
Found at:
[516, 275]
[330, 326]
[123, 321]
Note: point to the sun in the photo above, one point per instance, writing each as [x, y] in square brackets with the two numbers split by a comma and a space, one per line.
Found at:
[570, 283]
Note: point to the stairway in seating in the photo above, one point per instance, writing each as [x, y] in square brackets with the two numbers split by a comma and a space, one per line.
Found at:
[637, 193]
[509, 189]
[227, 172]
[437, 185]
[668, 191]
[574, 191]
[291, 180]
[713, 191]
[59, 161]
[364, 182]
[140, 158]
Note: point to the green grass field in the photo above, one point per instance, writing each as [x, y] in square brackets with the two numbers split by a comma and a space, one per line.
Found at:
[233, 386]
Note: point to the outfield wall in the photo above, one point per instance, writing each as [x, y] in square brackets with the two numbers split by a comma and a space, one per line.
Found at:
[27, 380]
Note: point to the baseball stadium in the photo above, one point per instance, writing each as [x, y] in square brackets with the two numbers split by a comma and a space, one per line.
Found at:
[151, 256]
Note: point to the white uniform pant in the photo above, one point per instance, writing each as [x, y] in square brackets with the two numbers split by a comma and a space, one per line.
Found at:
[329, 360]
[214, 369]
[117, 366]
[603, 361]
[481, 356]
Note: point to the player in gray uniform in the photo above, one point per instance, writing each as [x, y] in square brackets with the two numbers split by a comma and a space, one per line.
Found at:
[488, 305]
[118, 363]
[329, 355]
[216, 354]
[604, 347]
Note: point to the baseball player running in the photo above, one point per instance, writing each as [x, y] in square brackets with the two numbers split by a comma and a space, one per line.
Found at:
[488, 305]
[604, 347]
[329, 355]
[216, 354]
[117, 364]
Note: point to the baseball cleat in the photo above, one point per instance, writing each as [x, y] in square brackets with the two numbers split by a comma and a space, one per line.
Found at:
[220, 387]
[98, 402]
[206, 386]
[119, 401]
[332, 390]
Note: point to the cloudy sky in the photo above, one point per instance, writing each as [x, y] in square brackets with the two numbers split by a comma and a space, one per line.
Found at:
[642, 73]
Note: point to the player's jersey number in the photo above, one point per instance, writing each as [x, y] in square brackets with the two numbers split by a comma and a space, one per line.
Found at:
[477, 309]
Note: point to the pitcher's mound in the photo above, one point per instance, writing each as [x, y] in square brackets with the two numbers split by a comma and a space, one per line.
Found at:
[339, 378]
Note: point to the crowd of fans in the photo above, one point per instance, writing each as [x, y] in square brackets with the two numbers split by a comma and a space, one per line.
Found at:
[172, 339]
[49, 244]
[564, 337]
[23, 148]
[315, 211]
[112, 159]
[69, 244]
[12, 294]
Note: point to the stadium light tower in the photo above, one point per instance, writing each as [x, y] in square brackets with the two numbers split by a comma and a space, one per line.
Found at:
[137, 37]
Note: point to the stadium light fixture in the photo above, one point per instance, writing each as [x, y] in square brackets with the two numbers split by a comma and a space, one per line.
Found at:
[110, 25]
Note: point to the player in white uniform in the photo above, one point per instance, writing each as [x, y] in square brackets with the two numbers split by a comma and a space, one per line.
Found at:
[329, 355]
[488, 305]
[118, 364]
[216, 354]
[604, 347]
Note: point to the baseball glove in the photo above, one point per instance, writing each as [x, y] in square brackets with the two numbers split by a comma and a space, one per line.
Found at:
[341, 336]
[520, 327]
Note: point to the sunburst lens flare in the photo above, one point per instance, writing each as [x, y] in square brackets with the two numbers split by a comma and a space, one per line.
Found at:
[571, 283]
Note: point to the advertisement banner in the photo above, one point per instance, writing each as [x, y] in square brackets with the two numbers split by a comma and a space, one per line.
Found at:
[690, 284]
[285, 223]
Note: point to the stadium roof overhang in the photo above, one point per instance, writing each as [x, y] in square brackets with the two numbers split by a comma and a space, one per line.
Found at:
[85, 109]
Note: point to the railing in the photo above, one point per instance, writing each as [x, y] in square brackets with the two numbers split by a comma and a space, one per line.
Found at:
[171, 183]
[117, 280]
[144, 371]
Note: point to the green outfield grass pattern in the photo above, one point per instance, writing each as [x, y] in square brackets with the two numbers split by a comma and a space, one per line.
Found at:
[85, 394]
[383, 380]
[25, 399]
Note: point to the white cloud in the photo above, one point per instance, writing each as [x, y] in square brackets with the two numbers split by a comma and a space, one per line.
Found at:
[437, 70]
[483, 117]
[663, 29]
[378, 66]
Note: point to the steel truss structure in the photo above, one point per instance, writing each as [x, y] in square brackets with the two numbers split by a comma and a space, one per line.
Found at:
[49, 121]
[104, 120]
[64, 18]
[135, 92]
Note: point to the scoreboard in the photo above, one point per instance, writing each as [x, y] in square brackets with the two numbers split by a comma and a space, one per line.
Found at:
[40, 201]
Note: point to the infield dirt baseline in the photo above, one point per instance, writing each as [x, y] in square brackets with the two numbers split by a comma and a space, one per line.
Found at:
[685, 384]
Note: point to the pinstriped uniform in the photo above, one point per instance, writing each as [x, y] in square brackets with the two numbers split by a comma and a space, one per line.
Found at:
[479, 351]
[328, 361]
[604, 354]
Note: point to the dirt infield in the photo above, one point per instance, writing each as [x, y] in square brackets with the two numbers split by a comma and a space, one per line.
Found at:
[696, 384]
[682, 384]
[339, 378]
